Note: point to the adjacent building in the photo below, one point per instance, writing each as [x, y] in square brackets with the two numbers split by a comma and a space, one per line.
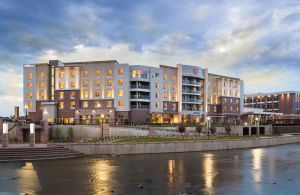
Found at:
[86, 92]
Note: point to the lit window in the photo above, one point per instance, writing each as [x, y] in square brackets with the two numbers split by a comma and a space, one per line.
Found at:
[120, 71]
[29, 75]
[61, 105]
[41, 74]
[174, 78]
[231, 100]
[85, 94]
[174, 87]
[237, 101]
[121, 103]
[72, 95]
[136, 73]
[85, 73]
[61, 75]
[85, 84]
[237, 108]
[109, 104]
[85, 104]
[120, 82]
[174, 96]
[61, 95]
[225, 100]
[72, 84]
[165, 95]
[72, 74]
[109, 83]
[215, 92]
[165, 106]
[97, 104]
[41, 85]
[165, 86]
[215, 108]
[231, 108]
[97, 84]
[29, 95]
[29, 85]
[174, 106]
[97, 73]
[72, 105]
[61, 85]
[109, 93]
[120, 93]
[97, 94]
[215, 84]
[225, 108]
[41, 95]
[29, 104]
[109, 72]
[165, 77]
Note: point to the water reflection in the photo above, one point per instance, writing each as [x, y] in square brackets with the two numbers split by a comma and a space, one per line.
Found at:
[28, 178]
[171, 170]
[257, 164]
[209, 171]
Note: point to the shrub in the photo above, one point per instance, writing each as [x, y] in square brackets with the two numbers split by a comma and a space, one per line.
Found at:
[57, 133]
[70, 133]
[228, 129]
[199, 128]
[181, 128]
[213, 130]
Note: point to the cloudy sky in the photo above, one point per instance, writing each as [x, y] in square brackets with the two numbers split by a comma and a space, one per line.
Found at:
[255, 40]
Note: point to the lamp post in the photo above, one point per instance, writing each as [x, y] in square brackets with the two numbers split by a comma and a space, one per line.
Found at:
[102, 120]
[208, 126]
[257, 126]
[26, 113]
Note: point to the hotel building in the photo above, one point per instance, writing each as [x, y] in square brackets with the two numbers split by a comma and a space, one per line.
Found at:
[287, 103]
[80, 92]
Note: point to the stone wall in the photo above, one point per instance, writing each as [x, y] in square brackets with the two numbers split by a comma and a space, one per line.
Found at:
[286, 129]
[172, 147]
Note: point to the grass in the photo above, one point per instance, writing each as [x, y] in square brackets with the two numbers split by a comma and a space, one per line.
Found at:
[172, 139]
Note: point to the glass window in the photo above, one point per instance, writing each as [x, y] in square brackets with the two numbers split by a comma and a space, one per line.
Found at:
[97, 104]
[157, 95]
[174, 78]
[109, 83]
[165, 77]
[120, 71]
[61, 74]
[174, 106]
[97, 94]
[41, 85]
[85, 73]
[165, 106]
[109, 93]
[29, 85]
[61, 95]
[29, 76]
[109, 72]
[72, 74]
[61, 85]
[121, 103]
[41, 75]
[61, 105]
[42, 95]
[97, 84]
[72, 95]
[85, 84]
[72, 84]
[85, 94]
[29, 104]
[85, 104]
[165, 95]
[29, 95]
[165, 86]
[72, 105]
[97, 73]
[109, 104]
[120, 82]
[120, 93]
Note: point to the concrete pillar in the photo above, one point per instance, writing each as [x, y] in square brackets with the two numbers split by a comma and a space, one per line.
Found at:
[32, 135]
[5, 135]
[45, 132]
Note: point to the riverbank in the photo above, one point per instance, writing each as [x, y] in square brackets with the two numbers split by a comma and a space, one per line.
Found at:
[177, 146]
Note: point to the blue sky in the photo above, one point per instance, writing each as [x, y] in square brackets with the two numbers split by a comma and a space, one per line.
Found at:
[255, 40]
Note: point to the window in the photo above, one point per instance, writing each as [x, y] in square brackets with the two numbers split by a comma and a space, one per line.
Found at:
[237, 101]
[109, 104]
[29, 104]
[157, 105]
[109, 83]
[156, 85]
[120, 82]
[29, 95]
[85, 84]
[97, 94]
[97, 104]
[231, 100]
[136, 73]
[174, 87]
[156, 75]
[42, 95]
[109, 93]
[225, 100]
[165, 95]
[225, 108]
[174, 78]
[121, 103]
[165, 106]
[97, 84]
[72, 105]
[61, 105]
[120, 93]
[215, 92]
[72, 95]
[237, 109]
[215, 108]
[157, 95]
[109, 72]
[41, 75]
[215, 84]
[97, 73]
[85, 73]
[41, 85]
[29, 76]
[85, 94]
[174, 106]
[61, 85]
[61, 74]
[72, 84]
[165, 77]
[120, 71]
[231, 108]
[29, 85]
[72, 74]
[165, 86]
[61, 95]
[174, 96]
[85, 104]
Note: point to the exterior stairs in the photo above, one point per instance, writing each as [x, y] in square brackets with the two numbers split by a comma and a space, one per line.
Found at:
[37, 153]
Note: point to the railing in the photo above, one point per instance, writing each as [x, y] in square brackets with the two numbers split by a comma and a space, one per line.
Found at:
[145, 97]
[191, 82]
[193, 100]
[191, 109]
[142, 76]
[191, 91]
[139, 87]
[140, 107]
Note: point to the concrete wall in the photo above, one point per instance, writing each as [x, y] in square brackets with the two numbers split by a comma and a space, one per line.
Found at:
[172, 147]
[286, 129]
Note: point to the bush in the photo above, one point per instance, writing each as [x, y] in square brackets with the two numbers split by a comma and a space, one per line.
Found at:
[181, 128]
[199, 128]
[228, 129]
[213, 130]
[70, 133]
[57, 133]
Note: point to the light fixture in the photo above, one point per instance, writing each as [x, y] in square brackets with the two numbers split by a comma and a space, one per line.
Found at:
[102, 116]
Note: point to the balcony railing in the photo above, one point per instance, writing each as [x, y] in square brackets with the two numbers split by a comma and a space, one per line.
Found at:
[140, 107]
[192, 100]
[191, 82]
[191, 91]
[146, 97]
[140, 87]
[142, 76]
[191, 109]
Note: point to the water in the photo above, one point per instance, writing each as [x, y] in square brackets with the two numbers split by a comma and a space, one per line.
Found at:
[273, 170]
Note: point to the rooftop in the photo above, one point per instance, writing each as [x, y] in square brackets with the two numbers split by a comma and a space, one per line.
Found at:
[272, 93]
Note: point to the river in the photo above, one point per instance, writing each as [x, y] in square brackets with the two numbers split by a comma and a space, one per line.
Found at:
[270, 170]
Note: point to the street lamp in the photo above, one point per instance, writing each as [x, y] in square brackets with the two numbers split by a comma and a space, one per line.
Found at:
[257, 126]
[26, 113]
[102, 120]
[208, 126]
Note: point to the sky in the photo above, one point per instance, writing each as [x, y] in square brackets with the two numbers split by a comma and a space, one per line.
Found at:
[257, 41]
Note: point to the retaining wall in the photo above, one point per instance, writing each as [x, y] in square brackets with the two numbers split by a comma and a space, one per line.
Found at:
[171, 147]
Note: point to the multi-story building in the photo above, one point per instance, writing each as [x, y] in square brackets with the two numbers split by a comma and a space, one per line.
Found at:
[287, 102]
[225, 98]
[81, 92]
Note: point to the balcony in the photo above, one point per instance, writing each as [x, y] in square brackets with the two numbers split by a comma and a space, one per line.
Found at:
[140, 98]
[140, 107]
[188, 82]
[191, 92]
[140, 88]
[192, 100]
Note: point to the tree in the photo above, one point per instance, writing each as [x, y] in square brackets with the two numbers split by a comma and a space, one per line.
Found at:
[71, 133]
[181, 128]
[213, 130]
[228, 129]
[199, 128]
